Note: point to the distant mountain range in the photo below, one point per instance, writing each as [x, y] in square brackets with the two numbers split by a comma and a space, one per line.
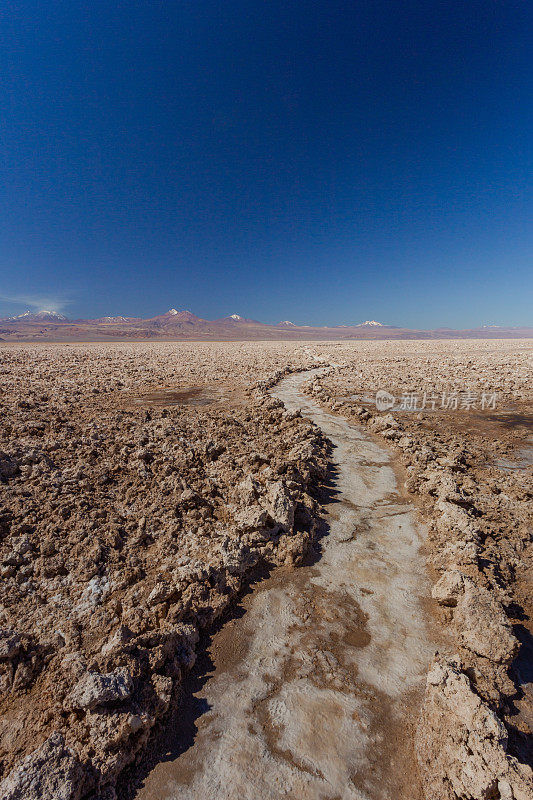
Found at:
[40, 316]
[175, 325]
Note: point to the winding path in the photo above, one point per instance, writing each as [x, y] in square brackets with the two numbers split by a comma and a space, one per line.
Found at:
[315, 687]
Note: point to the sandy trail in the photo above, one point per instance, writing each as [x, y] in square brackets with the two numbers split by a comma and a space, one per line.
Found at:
[314, 688]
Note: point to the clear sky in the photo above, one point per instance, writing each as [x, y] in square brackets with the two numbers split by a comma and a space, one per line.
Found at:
[324, 162]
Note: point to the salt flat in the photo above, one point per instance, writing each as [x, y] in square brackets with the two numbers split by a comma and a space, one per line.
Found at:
[145, 485]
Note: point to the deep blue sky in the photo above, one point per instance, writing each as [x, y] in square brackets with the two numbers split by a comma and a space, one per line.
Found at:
[325, 162]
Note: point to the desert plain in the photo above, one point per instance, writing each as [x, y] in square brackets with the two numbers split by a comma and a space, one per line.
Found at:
[227, 573]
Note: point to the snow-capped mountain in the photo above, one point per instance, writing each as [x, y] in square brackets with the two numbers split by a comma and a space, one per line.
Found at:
[287, 323]
[370, 323]
[173, 316]
[235, 319]
[39, 316]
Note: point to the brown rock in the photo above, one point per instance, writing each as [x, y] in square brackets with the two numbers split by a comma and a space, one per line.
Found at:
[461, 743]
[52, 772]
[483, 626]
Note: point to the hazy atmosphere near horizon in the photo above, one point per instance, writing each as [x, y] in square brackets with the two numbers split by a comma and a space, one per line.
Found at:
[325, 163]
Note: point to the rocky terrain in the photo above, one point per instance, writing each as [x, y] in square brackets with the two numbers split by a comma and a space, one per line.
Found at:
[129, 522]
[144, 484]
[470, 470]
